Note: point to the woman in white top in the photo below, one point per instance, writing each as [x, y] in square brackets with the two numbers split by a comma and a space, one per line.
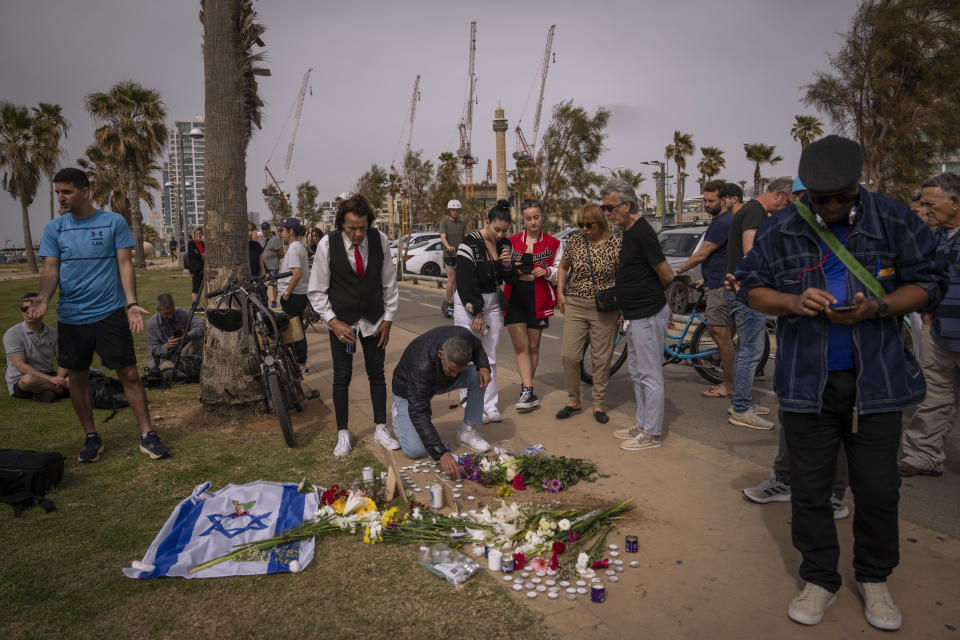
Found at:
[293, 288]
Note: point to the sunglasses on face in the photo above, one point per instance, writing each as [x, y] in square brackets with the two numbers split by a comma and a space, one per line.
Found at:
[610, 207]
[840, 198]
[585, 225]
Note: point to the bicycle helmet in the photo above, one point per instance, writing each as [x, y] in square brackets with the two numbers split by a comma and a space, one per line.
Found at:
[225, 318]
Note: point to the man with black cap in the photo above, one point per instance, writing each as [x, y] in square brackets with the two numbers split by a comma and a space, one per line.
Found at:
[839, 266]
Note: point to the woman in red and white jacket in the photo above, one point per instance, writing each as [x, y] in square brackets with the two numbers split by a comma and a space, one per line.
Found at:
[532, 295]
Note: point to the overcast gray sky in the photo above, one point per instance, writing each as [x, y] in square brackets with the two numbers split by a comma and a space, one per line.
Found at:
[727, 72]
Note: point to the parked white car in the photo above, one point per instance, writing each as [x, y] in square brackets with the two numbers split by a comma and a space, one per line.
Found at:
[416, 240]
[425, 258]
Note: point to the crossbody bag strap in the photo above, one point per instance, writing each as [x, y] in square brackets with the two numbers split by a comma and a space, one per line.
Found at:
[841, 252]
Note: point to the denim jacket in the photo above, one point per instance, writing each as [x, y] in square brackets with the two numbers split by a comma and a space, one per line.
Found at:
[894, 245]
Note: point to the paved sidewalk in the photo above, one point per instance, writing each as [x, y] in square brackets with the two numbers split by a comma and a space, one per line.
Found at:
[712, 564]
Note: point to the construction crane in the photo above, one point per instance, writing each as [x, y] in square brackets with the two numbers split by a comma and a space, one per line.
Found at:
[523, 147]
[298, 109]
[402, 174]
[466, 124]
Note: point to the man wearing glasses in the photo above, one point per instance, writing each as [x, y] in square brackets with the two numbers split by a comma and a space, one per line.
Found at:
[31, 347]
[839, 266]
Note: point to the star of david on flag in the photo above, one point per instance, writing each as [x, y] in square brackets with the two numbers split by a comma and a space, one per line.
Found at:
[209, 524]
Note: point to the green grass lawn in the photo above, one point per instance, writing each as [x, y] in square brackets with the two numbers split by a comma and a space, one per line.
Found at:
[61, 573]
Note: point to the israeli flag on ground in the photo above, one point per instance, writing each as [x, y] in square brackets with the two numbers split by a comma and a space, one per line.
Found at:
[208, 525]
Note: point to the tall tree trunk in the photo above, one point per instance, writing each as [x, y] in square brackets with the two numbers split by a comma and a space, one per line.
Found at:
[28, 238]
[224, 387]
[136, 220]
[756, 180]
[51, 196]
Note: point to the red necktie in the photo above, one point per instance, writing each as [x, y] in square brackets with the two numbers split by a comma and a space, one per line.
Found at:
[359, 260]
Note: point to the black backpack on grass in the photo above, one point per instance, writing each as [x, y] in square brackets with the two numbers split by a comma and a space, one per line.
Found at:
[106, 392]
[26, 476]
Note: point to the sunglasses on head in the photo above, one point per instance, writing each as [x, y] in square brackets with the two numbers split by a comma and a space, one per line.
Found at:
[529, 204]
[585, 225]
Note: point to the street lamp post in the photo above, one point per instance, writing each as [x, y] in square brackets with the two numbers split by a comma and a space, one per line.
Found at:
[661, 180]
[178, 216]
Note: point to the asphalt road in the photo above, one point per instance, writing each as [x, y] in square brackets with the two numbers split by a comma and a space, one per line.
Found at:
[929, 502]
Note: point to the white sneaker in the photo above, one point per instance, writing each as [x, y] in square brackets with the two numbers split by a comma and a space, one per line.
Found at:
[382, 436]
[492, 416]
[809, 605]
[471, 438]
[878, 606]
[749, 419]
[759, 409]
[343, 443]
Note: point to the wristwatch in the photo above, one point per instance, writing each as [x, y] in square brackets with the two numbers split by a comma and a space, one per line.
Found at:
[882, 309]
[131, 305]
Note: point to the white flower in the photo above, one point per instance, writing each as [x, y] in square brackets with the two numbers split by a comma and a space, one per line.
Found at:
[476, 534]
[354, 500]
[564, 525]
[477, 550]
[375, 530]
[582, 561]
[547, 525]
[325, 511]
[586, 573]
[484, 517]
[486, 465]
[416, 515]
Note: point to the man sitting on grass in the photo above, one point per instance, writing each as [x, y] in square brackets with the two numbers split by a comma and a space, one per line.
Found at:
[31, 347]
[168, 328]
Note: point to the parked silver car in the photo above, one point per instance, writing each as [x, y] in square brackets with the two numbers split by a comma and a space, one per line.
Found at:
[678, 244]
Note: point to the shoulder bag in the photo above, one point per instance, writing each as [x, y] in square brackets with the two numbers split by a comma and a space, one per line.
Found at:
[605, 300]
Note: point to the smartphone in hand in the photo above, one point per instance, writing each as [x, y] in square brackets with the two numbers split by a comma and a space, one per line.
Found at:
[843, 309]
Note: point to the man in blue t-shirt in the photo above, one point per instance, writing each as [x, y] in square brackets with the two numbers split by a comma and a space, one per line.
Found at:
[713, 255]
[88, 256]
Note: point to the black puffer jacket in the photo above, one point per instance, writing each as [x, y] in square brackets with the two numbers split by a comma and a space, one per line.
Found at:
[419, 376]
[478, 272]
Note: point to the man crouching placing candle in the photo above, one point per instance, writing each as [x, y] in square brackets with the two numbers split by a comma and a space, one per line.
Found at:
[437, 362]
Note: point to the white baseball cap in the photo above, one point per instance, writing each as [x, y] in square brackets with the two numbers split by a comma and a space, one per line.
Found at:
[454, 204]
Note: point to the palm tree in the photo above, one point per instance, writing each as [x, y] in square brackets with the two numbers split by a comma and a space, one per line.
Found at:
[635, 179]
[711, 164]
[51, 122]
[20, 159]
[132, 134]
[806, 129]
[759, 153]
[678, 151]
[232, 108]
[106, 183]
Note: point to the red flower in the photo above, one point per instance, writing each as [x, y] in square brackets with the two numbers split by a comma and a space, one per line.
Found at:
[332, 494]
[519, 561]
[518, 482]
[601, 564]
[558, 548]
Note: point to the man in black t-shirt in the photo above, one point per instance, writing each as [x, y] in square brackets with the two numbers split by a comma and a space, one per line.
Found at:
[642, 275]
[750, 324]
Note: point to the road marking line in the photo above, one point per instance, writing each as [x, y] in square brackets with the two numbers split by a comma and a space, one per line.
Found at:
[432, 306]
[405, 299]
[547, 335]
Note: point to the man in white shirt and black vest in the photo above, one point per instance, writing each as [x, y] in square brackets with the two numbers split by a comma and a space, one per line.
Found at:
[353, 286]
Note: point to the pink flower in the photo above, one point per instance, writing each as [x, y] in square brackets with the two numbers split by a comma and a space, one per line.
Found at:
[518, 482]
[601, 564]
[539, 564]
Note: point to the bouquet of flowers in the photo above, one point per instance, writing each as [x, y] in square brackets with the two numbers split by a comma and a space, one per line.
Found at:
[546, 473]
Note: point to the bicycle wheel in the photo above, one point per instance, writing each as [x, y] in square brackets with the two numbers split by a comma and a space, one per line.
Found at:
[279, 403]
[294, 389]
[708, 366]
[616, 361]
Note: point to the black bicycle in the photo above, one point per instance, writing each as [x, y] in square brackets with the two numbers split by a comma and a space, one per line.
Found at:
[265, 342]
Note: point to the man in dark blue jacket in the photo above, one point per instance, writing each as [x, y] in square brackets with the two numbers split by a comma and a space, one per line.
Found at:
[843, 374]
[436, 362]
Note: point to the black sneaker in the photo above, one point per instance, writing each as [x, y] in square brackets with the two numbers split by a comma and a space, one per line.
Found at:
[92, 448]
[528, 399]
[150, 444]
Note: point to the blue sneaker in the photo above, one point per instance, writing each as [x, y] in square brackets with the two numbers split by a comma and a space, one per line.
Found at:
[150, 444]
[92, 448]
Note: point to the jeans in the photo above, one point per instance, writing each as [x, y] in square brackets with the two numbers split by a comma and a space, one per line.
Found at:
[750, 328]
[814, 441]
[781, 466]
[407, 434]
[373, 357]
[645, 359]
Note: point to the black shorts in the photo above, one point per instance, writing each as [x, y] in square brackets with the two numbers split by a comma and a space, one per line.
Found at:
[27, 395]
[450, 261]
[110, 337]
[197, 281]
[523, 307]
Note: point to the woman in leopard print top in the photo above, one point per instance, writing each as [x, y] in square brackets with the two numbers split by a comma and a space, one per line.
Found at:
[596, 246]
